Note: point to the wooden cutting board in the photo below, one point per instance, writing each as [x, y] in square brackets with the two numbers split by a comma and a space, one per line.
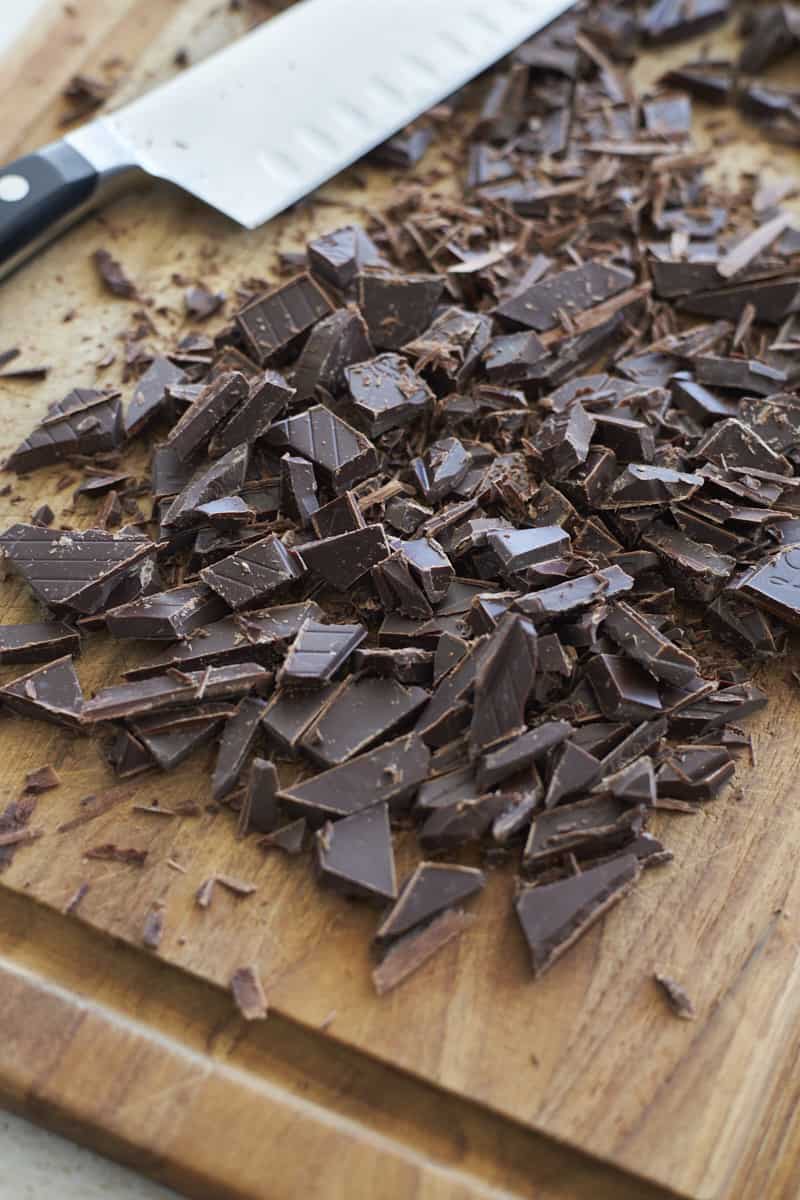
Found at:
[469, 1080]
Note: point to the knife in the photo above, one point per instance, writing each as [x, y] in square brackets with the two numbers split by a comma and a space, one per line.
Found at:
[260, 124]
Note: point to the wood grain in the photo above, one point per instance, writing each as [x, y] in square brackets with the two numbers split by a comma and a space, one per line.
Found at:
[446, 1087]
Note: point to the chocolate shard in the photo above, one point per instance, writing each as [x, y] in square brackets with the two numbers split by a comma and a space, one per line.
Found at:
[407, 665]
[625, 691]
[289, 838]
[355, 856]
[770, 34]
[668, 21]
[50, 693]
[574, 770]
[554, 915]
[337, 257]
[37, 641]
[397, 589]
[695, 569]
[262, 636]
[450, 649]
[333, 345]
[520, 805]
[77, 571]
[267, 396]
[516, 755]
[167, 745]
[635, 783]
[447, 789]
[386, 393]
[391, 772]
[173, 690]
[563, 440]
[641, 484]
[260, 811]
[731, 443]
[169, 615]
[453, 825]
[168, 473]
[318, 652]
[431, 889]
[290, 712]
[364, 711]
[772, 299]
[587, 829]
[448, 352]
[238, 738]
[254, 574]
[397, 308]
[343, 560]
[575, 594]
[442, 468]
[711, 82]
[298, 488]
[643, 641]
[85, 422]
[150, 397]
[742, 374]
[430, 566]
[694, 773]
[340, 515]
[513, 357]
[503, 683]
[342, 455]
[277, 320]
[641, 740]
[571, 291]
[775, 585]
[204, 414]
[517, 549]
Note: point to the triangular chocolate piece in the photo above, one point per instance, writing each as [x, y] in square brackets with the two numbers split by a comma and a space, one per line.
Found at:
[260, 811]
[128, 756]
[50, 693]
[574, 771]
[554, 915]
[170, 746]
[289, 838]
[86, 421]
[432, 888]
[635, 784]
[504, 682]
[73, 570]
[355, 856]
[235, 745]
[223, 478]
[150, 395]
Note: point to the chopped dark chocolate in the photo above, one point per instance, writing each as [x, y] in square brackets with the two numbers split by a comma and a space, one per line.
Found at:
[503, 683]
[277, 320]
[332, 346]
[642, 640]
[150, 397]
[571, 291]
[254, 574]
[342, 560]
[166, 615]
[318, 652]
[238, 738]
[354, 856]
[397, 308]
[49, 693]
[342, 454]
[201, 303]
[86, 422]
[386, 393]
[268, 395]
[289, 838]
[411, 952]
[37, 641]
[554, 915]
[205, 413]
[260, 811]
[113, 275]
[171, 690]
[42, 780]
[517, 754]
[586, 829]
[337, 257]
[364, 711]
[298, 488]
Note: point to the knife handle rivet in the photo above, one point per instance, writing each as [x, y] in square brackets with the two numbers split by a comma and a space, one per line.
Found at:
[13, 187]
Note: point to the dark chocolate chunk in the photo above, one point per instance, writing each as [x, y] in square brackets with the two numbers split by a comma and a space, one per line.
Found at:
[150, 396]
[563, 440]
[503, 683]
[641, 639]
[109, 269]
[37, 641]
[771, 33]
[260, 811]
[397, 590]
[337, 257]
[201, 303]
[442, 468]
[68, 570]
[43, 779]
[588, 828]
[575, 594]
[694, 773]
[430, 566]
[731, 444]
[574, 770]
[238, 738]
[554, 915]
[278, 319]
[571, 291]
[635, 783]
[364, 711]
[510, 358]
[431, 889]
[405, 149]
[354, 856]
[447, 789]
[205, 413]
[386, 393]
[624, 690]
[342, 560]
[332, 346]
[775, 585]
[173, 690]
[407, 665]
[268, 395]
[448, 352]
[341, 454]
[290, 712]
[711, 82]
[318, 652]
[391, 772]
[289, 838]
[452, 825]
[520, 548]
[772, 299]
[411, 952]
[169, 745]
[298, 488]
[49, 693]
[397, 308]
[168, 473]
[86, 422]
[166, 615]
[341, 515]
[524, 749]
[696, 570]
[253, 574]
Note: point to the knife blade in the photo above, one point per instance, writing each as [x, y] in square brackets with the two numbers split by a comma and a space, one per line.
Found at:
[260, 124]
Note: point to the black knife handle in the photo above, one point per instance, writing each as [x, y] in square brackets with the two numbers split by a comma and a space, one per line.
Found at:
[40, 194]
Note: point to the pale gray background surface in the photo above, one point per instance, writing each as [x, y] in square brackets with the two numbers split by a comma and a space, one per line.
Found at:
[39, 1165]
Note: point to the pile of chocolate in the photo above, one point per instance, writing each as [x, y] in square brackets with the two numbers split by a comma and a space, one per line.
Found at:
[452, 519]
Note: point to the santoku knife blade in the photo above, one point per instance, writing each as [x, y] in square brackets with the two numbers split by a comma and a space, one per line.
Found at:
[260, 124]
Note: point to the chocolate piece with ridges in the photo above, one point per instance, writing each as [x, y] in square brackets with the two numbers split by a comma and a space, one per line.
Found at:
[342, 560]
[341, 454]
[169, 615]
[318, 652]
[298, 488]
[290, 712]
[397, 308]
[332, 347]
[49, 693]
[205, 413]
[85, 422]
[253, 574]
[572, 291]
[268, 395]
[277, 320]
